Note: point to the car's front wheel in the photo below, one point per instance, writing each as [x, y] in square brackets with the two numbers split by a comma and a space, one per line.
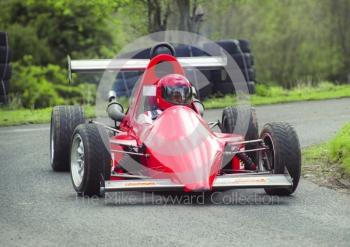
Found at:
[90, 159]
[283, 155]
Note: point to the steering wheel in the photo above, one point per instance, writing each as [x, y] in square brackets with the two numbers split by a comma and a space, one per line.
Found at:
[166, 45]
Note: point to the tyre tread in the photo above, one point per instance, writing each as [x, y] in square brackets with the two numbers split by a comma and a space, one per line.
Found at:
[287, 154]
[64, 120]
[97, 158]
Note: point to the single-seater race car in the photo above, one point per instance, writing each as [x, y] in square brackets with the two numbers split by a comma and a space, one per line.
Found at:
[163, 143]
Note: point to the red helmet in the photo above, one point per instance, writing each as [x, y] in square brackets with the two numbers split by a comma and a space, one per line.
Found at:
[173, 89]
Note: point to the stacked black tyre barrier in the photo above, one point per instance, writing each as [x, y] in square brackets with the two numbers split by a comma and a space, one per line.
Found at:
[206, 82]
[5, 67]
[240, 51]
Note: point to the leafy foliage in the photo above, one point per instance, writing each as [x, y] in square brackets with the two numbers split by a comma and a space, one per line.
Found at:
[329, 162]
[53, 29]
[295, 42]
[42, 33]
[340, 148]
[38, 86]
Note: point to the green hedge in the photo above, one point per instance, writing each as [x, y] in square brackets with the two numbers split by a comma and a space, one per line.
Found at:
[35, 87]
[340, 149]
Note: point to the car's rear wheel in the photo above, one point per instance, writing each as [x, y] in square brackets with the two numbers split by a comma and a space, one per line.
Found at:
[64, 119]
[90, 159]
[283, 156]
[236, 120]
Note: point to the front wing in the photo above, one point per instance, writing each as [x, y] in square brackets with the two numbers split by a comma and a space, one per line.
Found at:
[223, 182]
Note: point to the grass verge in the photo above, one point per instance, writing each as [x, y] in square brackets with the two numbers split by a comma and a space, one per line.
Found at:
[264, 95]
[272, 95]
[329, 163]
[27, 116]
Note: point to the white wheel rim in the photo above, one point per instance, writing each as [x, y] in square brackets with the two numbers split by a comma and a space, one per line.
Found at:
[77, 160]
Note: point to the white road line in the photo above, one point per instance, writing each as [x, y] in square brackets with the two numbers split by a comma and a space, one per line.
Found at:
[24, 130]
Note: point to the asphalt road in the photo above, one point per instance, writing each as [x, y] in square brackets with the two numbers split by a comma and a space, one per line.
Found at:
[39, 207]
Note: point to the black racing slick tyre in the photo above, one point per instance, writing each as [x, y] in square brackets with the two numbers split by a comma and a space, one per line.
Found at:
[5, 54]
[90, 159]
[4, 88]
[230, 46]
[64, 119]
[283, 156]
[236, 120]
[3, 39]
[244, 45]
[249, 75]
[5, 71]
[243, 60]
[251, 87]
[224, 88]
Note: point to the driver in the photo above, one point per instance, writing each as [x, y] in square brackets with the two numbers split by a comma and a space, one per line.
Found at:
[172, 89]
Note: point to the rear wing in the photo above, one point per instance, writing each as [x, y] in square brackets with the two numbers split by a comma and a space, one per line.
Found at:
[98, 65]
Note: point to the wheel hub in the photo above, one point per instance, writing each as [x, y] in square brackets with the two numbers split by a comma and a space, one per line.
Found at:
[77, 160]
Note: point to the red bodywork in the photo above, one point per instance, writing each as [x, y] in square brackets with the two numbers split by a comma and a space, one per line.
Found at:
[179, 145]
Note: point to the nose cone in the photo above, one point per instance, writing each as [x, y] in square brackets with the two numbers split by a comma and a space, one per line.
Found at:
[184, 149]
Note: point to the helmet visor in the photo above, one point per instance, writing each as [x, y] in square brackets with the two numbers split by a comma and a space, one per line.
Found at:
[178, 94]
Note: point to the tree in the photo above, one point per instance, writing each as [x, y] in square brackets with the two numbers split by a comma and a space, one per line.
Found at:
[185, 15]
[53, 29]
[158, 13]
[190, 15]
[340, 37]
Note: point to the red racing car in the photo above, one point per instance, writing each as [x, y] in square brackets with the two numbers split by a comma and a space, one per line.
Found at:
[163, 143]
